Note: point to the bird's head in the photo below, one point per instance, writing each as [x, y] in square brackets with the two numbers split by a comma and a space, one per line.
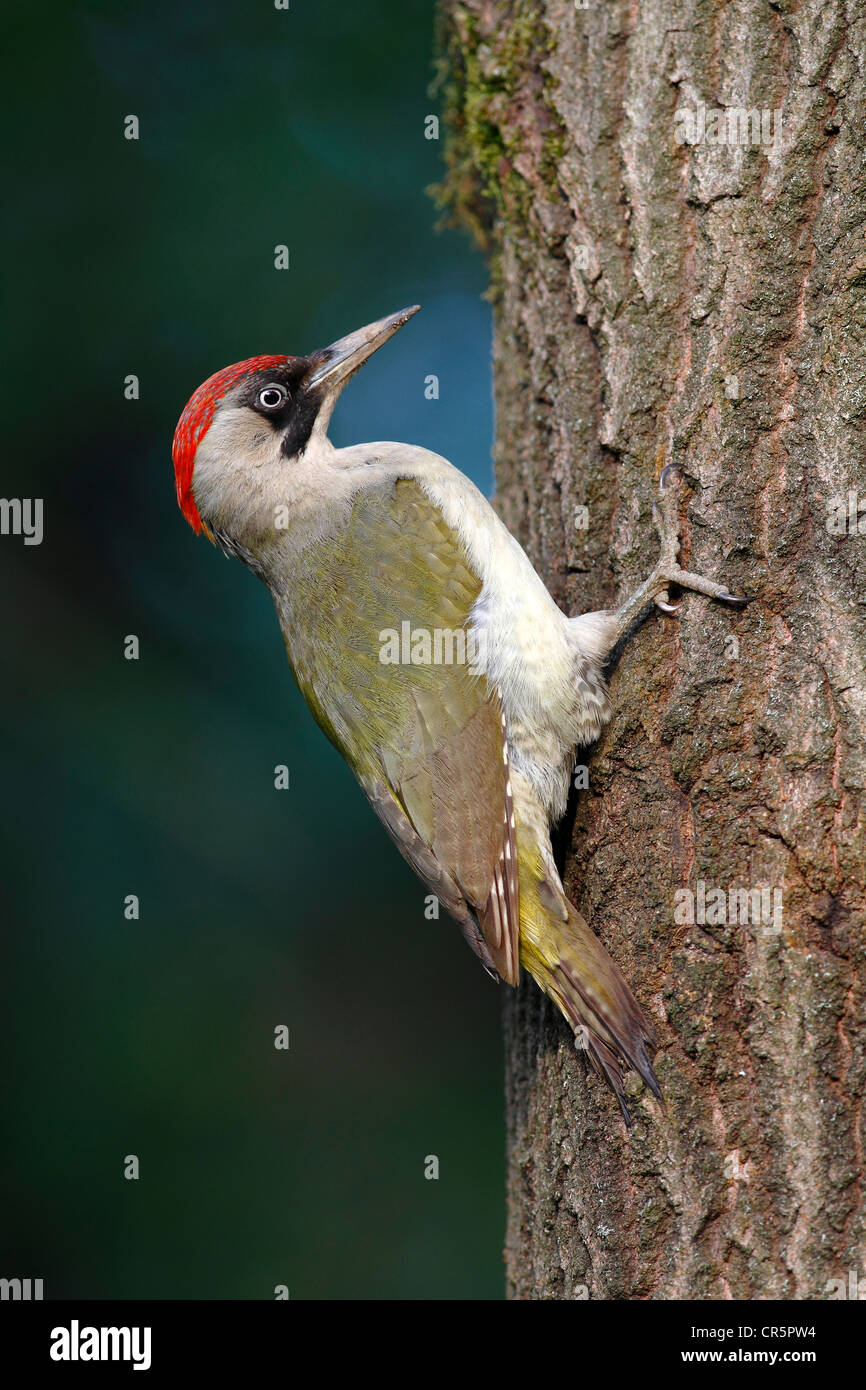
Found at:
[249, 423]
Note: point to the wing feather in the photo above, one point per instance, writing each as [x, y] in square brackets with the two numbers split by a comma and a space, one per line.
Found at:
[426, 739]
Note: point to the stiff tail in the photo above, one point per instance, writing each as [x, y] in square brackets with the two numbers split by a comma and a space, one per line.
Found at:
[566, 958]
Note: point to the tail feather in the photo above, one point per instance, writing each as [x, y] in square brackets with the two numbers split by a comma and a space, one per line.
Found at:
[566, 958]
[571, 965]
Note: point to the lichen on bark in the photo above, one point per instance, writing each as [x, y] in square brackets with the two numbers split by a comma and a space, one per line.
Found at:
[703, 305]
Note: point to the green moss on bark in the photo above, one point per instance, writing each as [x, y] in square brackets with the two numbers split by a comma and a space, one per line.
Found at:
[503, 139]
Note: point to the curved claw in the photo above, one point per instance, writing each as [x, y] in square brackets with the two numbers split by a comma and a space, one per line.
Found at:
[665, 606]
[738, 600]
[670, 476]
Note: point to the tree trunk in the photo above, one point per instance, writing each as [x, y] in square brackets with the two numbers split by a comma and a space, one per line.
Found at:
[667, 292]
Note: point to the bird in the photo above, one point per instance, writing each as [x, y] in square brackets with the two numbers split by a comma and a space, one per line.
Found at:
[372, 551]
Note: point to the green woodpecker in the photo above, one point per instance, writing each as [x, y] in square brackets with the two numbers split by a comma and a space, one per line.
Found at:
[432, 656]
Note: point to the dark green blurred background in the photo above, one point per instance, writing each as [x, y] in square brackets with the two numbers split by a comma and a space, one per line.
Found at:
[156, 777]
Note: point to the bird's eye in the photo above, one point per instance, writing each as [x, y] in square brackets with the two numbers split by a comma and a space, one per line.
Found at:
[270, 397]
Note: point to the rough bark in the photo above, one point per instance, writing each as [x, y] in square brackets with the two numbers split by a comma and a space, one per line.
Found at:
[716, 320]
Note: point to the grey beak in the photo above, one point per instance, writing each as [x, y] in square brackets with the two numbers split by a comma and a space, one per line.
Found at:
[332, 366]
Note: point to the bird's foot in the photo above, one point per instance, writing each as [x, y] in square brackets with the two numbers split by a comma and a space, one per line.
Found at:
[667, 571]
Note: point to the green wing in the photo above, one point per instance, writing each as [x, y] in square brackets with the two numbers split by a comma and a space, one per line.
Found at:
[425, 738]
